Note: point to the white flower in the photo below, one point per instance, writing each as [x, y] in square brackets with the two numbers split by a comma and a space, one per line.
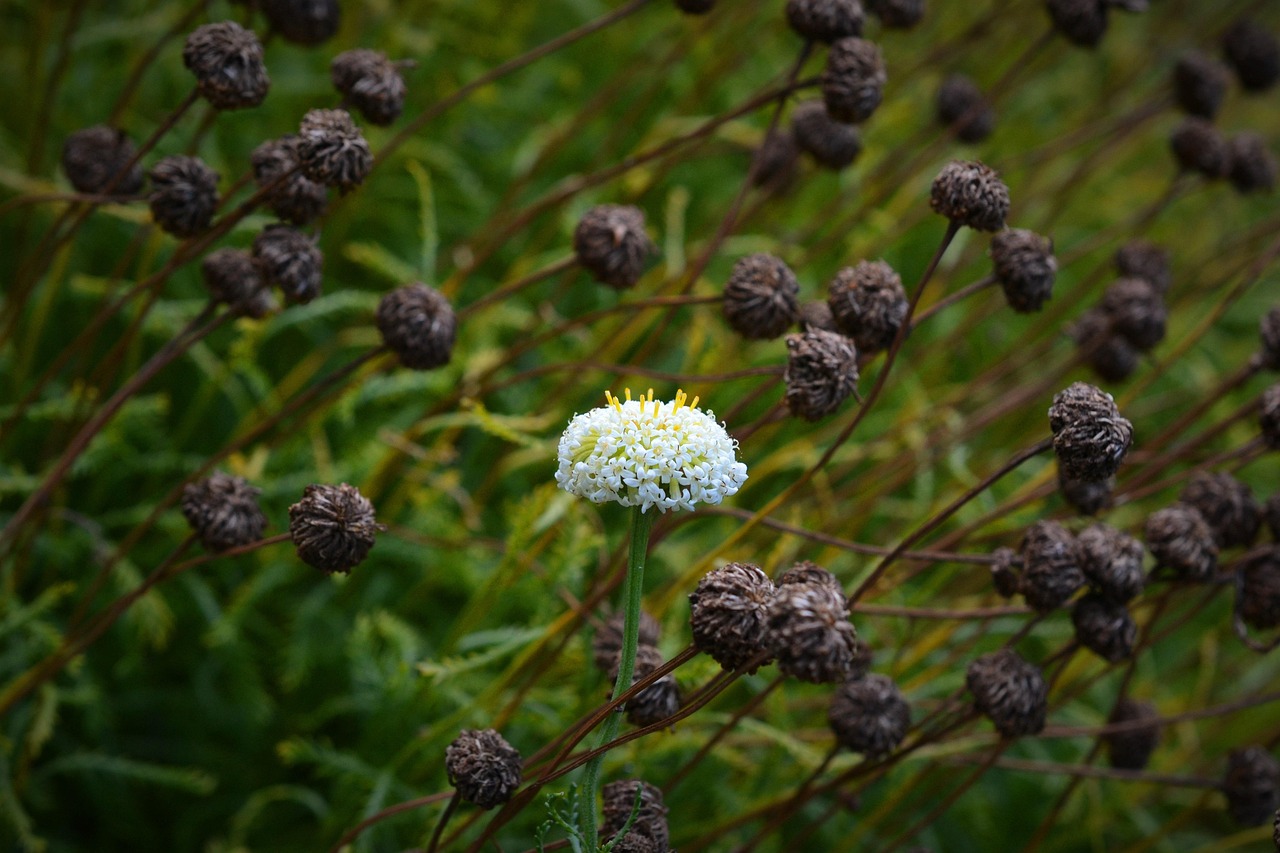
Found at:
[648, 453]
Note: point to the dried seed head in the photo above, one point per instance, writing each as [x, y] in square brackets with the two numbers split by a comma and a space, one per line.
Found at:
[853, 81]
[1144, 259]
[1254, 53]
[632, 843]
[822, 370]
[223, 512]
[1131, 749]
[897, 14]
[1227, 505]
[611, 244]
[93, 158]
[227, 62]
[1104, 627]
[1010, 691]
[483, 767]
[1269, 330]
[1081, 22]
[817, 315]
[1109, 354]
[962, 107]
[184, 193]
[1180, 539]
[369, 82]
[1090, 437]
[1005, 571]
[970, 193]
[1111, 562]
[234, 277]
[660, 699]
[807, 571]
[332, 527]
[1050, 566]
[1200, 84]
[728, 613]
[810, 633]
[1259, 603]
[1253, 167]
[306, 22]
[869, 304]
[291, 261]
[1269, 417]
[695, 7]
[825, 20]
[1252, 785]
[418, 324]
[1201, 147]
[1087, 498]
[296, 198]
[1137, 312]
[774, 165]
[1025, 267]
[760, 297]
[332, 149]
[607, 642]
[831, 143]
[651, 812]
[869, 716]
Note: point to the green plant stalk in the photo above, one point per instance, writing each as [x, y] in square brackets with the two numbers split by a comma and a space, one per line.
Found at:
[633, 589]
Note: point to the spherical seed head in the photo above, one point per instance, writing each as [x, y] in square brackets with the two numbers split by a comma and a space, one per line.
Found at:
[831, 143]
[1051, 570]
[223, 512]
[1090, 437]
[961, 106]
[418, 324]
[1200, 84]
[369, 82]
[1137, 312]
[869, 716]
[695, 7]
[1269, 331]
[1259, 603]
[1131, 749]
[1227, 505]
[897, 14]
[1025, 267]
[1181, 540]
[226, 60]
[483, 767]
[92, 158]
[1104, 627]
[1252, 785]
[1111, 562]
[760, 297]
[291, 261]
[822, 370]
[632, 843]
[1010, 691]
[970, 193]
[816, 314]
[332, 150]
[1269, 417]
[611, 244]
[1005, 571]
[853, 81]
[1081, 22]
[810, 633]
[1109, 354]
[807, 571]
[296, 199]
[825, 20]
[1253, 166]
[774, 166]
[1200, 147]
[1087, 498]
[728, 613]
[184, 193]
[1144, 259]
[1254, 54]
[869, 304]
[234, 277]
[660, 699]
[332, 527]
[607, 642]
[306, 22]
[651, 813]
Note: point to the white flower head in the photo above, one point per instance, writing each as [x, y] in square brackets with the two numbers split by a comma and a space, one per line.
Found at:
[649, 453]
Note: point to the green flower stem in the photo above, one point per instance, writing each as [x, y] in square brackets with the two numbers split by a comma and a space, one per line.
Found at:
[633, 589]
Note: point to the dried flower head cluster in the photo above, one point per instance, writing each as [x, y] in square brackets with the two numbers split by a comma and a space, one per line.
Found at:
[483, 767]
[611, 244]
[628, 796]
[1181, 540]
[822, 371]
[228, 64]
[869, 304]
[223, 511]
[371, 83]
[184, 194]
[332, 150]
[1025, 267]
[418, 324]
[760, 296]
[332, 527]
[970, 194]
[1010, 691]
[728, 613]
[809, 632]
[291, 195]
[853, 82]
[1090, 437]
[869, 715]
[95, 160]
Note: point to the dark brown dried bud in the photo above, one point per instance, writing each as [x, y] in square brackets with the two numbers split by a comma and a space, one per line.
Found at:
[1269, 417]
[728, 613]
[1104, 627]
[291, 261]
[1254, 53]
[1201, 147]
[760, 297]
[869, 716]
[184, 194]
[1180, 539]
[1137, 312]
[822, 370]
[869, 304]
[1110, 355]
[774, 165]
[1081, 22]
[306, 22]
[1050, 566]
[810, 633]
[632, 843]
[1200, 84]
[695, 7]
[93, 158]
[296, 198]
[897, 14]
[831, 143]
[1025, 267]
[817, 315]
[332, 149]
[970, 193]
[1253, 166]
[660, 699]
[332, 527]
[483, 767]
[418, 324]
[651, 813]
[1004, 572]
[825, 20]
[611, 244]
[1269, 331]
[1259, 603]
[234, 277]
[1090, 437]
[1227, 505]
[853, 81]
[1144, 259]
[807, 571]
[1010, 691]
[961, 106]
[1111, 562]
[608, 640]
[223, 512]
[369, 82]
[1252, 785]
[1131, 749]
[1087, 498]
[227, 62]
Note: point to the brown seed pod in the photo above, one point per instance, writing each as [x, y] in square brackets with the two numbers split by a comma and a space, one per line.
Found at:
[853, 81]
[332, 149]
[897, 14]
[418, 324]
[869, 716]
[631, 843]
[961, 106]
[1200, 83]
[1146, 260]
[1137, 312]
[1010, 691]
[1131, 749]
[232, 276]
[807, 571]
[227, 62]
[816, 314]
[1111, 562]
[1005, 571]
[1269, 417]
[332, 527]
[660, 699]
[1087, 498]
[1227, 505]
[972, 194]
[608, 640]
[1180, 540]
[1200, 147]
[483, 767]
[728, 613]
[760, 297]
[305, 22]
[1109, 354]
[1050, 566]
[1254, 53]
[1090, 437]
[223, 511]
[93, 159]
[1025, 267]
[1259, 592]
[1081, 22]
[825, 20]
[294, 197]
[774, 163]
[810, 634]
[184, 194]
[611, 244]
[830, 143]
[1252, 785]
[1253, 166]
[1104, 627]
[291, 261]
[868, 303]
[651, 813]
[822, 370]
[371, 83]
